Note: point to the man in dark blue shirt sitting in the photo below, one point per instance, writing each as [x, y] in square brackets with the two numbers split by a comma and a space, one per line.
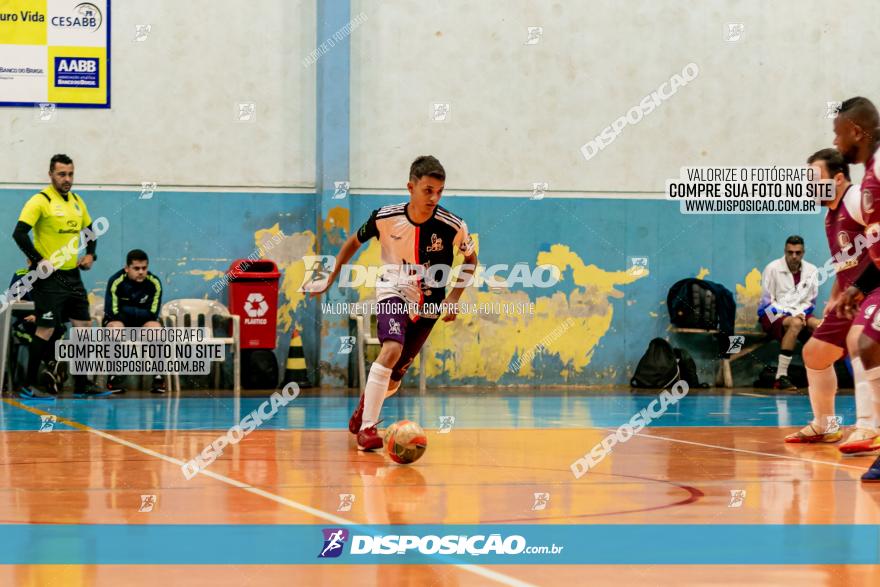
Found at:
[133, 300]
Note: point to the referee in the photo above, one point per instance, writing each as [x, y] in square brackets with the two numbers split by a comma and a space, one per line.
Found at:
[57, 217]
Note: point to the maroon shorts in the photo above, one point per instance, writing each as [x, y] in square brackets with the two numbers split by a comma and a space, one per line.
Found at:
[394, 323]
[834, 329]
[776, 330]
[870, 316]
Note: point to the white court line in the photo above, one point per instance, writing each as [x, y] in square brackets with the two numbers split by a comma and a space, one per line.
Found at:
[752, 452]
[475, 569]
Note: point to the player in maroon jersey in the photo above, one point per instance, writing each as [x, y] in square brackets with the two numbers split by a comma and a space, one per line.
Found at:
[836, 334]
[856, 132]
[415, 236]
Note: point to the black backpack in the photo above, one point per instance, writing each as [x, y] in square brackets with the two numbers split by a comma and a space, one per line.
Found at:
[259, 369]
[691, 305]
[688, 368]
[658, 367]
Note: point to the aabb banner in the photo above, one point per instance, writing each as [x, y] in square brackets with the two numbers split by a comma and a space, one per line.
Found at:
[56, 52]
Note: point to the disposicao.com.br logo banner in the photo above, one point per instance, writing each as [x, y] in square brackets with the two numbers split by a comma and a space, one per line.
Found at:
[474, 544]
[439, 543]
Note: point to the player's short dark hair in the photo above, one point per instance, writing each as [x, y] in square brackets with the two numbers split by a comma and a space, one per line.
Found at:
[426, 165]
[833, 162]
[59, 158]
[862, 112]
[136, 255]
[795, 240]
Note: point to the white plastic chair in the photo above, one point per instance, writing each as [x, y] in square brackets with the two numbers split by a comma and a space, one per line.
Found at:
[193, 313]
[96, 312]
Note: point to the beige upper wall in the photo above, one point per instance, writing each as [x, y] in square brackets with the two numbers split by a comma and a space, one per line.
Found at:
[174, 101]
[520, 113]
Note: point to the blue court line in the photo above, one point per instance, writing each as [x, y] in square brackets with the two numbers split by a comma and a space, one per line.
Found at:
[482, 412]
[746, 544]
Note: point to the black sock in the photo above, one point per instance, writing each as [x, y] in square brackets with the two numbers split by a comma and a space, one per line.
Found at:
[35, 357]
[786, 353]
[49, 350]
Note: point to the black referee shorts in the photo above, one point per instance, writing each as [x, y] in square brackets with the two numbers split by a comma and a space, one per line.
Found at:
[59, 298]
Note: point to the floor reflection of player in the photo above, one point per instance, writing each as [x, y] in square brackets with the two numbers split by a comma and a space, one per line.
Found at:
[393, 494]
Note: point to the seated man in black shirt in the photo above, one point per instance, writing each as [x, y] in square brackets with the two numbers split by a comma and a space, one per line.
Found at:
[133, 300]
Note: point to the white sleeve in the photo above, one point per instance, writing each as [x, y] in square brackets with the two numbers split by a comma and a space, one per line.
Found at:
[770, 296]
[463, 240]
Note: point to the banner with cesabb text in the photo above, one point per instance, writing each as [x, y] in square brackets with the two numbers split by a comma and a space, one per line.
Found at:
[55, 52]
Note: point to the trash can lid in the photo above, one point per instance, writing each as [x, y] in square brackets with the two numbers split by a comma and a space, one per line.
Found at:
[247, 269]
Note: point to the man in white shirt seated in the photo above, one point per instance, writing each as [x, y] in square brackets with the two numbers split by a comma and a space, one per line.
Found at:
[790, 286]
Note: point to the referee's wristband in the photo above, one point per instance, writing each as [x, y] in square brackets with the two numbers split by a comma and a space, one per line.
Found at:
[869, 279]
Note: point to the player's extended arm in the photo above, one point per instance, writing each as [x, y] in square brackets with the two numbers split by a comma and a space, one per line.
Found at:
[349, 248]
[465, 278]
[23, 240]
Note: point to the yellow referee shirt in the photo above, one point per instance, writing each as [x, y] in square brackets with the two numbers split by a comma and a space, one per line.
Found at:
[56, 223]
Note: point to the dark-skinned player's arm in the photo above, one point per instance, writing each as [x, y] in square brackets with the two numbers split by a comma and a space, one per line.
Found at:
[349, 248]
[869, 278]
[465, 278]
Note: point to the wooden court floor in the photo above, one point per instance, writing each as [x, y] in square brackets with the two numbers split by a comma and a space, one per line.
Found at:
[96, 465]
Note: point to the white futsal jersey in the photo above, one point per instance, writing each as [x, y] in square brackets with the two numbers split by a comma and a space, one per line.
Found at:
[406, 244]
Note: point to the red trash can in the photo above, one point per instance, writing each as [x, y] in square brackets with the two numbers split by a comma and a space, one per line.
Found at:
[253, 295]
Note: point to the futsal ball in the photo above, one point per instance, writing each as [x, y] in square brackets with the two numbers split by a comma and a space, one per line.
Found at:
[405, 442]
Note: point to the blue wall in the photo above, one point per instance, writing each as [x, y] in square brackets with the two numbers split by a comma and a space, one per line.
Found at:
[185, 232]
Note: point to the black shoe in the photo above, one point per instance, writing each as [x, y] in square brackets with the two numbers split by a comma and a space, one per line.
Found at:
[53, 376]
[89, 389]
[48, 381]
[114, 385]
[158, 385]
[34, 393]
[784, 384]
